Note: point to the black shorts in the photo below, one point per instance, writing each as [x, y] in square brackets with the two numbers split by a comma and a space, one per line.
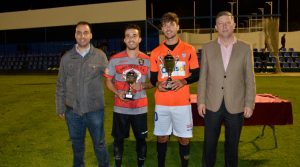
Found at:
[122, 122]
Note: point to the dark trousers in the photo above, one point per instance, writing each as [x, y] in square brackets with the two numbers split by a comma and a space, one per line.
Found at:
[120, 131]
[233, 127]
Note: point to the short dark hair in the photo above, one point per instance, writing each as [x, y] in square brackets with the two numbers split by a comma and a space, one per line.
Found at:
[224, 13]
[134, 26]
[169, 17]
[84, 23]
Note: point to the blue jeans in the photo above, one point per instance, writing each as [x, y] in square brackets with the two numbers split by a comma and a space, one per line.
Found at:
[77, 125]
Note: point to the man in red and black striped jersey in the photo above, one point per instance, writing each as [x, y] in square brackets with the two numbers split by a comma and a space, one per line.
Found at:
[129, 111]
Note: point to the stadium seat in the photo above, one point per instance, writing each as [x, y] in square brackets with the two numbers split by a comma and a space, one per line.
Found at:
[271, 54]
[255, 54]
[285, 65]
[294, 54]
[281, 59]
[257, 65]
[286, 54]
[294, 65]
[290, 60]
[257, 60]
[273, 60]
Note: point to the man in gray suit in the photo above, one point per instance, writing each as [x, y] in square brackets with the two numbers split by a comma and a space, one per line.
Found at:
[226, 90]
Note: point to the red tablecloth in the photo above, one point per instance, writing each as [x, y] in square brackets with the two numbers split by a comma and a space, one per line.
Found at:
[269, 110]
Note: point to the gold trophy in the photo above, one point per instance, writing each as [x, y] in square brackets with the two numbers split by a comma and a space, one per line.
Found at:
[130, 78]
[169, 64]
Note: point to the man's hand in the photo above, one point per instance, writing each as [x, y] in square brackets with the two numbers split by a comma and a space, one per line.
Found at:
[121, 95]
[177, 84]
[62, 116]
[137, 86]
[161, 86]
[201, 110]
[248, 112]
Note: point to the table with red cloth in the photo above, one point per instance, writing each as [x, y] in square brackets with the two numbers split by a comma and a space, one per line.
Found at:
[269, 111]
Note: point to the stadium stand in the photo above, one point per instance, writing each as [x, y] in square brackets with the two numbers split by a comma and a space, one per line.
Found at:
[44, 57]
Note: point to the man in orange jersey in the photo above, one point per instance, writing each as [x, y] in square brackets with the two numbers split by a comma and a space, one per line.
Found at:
[130, 108]
[173, 112]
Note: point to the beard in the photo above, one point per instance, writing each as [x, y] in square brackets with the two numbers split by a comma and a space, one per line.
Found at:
[171, 36]
[83, 44]
[132, 47]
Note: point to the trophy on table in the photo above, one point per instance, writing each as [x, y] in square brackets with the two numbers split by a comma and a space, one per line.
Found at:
[169, 64]
[130, 78]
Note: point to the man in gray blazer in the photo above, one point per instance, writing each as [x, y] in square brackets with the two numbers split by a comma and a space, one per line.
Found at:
[226, 90]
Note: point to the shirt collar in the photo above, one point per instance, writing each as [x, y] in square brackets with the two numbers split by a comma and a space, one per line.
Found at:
[233, 42]
[83, 52]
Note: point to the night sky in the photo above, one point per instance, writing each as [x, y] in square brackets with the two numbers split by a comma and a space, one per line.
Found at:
[184, 8]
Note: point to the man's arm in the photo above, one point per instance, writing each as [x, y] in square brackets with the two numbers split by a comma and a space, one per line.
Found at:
[154, 82]
[194, 77]
[153, 78]
[194, 72]
[202, 84]
[146, 85]
[60, 90]
[111, 87]
[250, 81]
[250, 85]
[141, 86]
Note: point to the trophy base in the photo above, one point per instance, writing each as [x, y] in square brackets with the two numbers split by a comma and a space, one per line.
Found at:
[168, 86]
[128, 96]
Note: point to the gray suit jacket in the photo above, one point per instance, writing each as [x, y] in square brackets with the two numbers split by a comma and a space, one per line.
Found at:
[236, 84]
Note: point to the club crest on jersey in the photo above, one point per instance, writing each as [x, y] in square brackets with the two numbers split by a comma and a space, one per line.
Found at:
[141, 61]
[183, 54]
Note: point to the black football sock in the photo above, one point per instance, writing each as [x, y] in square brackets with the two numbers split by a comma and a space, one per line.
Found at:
[161, 153]
[184, 151]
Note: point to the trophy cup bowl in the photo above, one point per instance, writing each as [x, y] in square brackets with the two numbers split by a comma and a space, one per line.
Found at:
[169, 64]
[131, 77]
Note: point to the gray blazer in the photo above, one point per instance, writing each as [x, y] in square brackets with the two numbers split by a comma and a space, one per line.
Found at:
[236, 84]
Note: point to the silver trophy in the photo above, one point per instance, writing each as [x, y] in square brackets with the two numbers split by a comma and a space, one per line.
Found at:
[131, 78]
[169, 64]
